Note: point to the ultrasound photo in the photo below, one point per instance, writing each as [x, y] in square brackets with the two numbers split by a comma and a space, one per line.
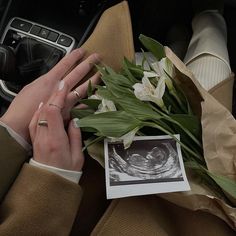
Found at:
[149, 165]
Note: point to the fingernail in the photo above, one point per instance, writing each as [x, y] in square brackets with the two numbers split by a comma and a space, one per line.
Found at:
[61, 85]
[75, 122]
[40, 105]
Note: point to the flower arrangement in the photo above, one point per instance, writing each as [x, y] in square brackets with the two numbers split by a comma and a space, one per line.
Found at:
[146, 100]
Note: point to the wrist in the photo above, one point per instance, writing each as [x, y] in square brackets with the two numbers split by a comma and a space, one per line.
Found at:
[16, 126]
[70, 175]
[16, 136]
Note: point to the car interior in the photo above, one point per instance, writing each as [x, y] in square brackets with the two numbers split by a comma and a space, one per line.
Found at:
[35, 35]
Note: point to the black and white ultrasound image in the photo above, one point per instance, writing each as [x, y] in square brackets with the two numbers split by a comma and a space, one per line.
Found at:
[145, 161]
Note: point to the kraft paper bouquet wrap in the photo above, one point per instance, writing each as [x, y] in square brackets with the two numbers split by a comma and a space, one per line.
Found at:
[219, 147]
[212, 190]
[207, 129]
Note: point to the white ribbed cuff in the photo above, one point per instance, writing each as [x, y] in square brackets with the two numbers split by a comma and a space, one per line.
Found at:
[71, 175]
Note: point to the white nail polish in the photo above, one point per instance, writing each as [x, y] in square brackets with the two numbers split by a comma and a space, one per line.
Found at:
[40, 105]
[61, 85]
[75, 122]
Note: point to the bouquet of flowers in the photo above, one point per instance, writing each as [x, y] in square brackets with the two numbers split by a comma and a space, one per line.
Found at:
[156, 98]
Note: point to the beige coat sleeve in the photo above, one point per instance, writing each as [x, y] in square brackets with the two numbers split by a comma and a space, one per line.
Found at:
[39, 203]
[12, 157]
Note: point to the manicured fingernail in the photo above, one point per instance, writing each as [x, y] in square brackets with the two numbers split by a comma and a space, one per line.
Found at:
[75, 122]
[40, 105]
[61, 85]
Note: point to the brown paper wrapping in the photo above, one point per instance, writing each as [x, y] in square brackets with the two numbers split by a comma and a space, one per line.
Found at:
[218, 125]
[219, 144]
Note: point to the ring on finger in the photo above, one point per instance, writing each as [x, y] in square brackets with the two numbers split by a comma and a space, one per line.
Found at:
[43, 123]
[77, 94]
[55, 105]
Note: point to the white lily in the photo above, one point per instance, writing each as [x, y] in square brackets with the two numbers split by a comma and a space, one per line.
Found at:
[95, 96]
[145, 91]
[126, 138]
[105, 106]
[162, 67]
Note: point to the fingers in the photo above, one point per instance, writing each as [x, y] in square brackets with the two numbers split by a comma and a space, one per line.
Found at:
[51, 112]
[34, 122]
[54, 109]
[78, 73]
[66, 64]
[73, 98]
[75, 140]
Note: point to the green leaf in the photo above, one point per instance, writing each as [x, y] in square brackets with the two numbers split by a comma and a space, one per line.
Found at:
[127, 71]
[80, 113]
[92, 141]
[153, 46]
[119, 91]
[96, 151]
[110, 124]
[101, 69]
[117, 80]
[137, 108]
[105, 93]
[226, 184]
[217, 182]
[90, 89]
[110, 71]
[92, 103]
[190, 122]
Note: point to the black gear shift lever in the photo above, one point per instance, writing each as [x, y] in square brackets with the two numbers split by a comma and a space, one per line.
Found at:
[29, 60]
[8, 69]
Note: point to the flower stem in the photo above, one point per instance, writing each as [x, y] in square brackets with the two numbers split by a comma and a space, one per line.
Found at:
[166, 117]
[198, 157]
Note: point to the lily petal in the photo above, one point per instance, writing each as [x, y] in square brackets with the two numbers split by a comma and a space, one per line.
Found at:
[149, 74]
[147, 85]
[128, 138]
[168, 66]
[105, 106]
[160, 89]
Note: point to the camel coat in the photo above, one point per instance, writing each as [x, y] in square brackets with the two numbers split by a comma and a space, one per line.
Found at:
[43, 203]
[37, 202]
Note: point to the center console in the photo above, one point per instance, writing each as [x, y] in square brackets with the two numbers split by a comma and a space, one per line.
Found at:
[35, 35]
[29, 50]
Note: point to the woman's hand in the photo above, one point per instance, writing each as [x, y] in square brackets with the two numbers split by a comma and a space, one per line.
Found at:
[22, 108]
[51, 144]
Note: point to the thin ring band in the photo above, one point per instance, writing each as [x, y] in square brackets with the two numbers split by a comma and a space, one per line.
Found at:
[43, 123]
[55, 105]
[77, 94]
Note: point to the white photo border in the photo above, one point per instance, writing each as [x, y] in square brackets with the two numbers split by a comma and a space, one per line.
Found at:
[127, 190]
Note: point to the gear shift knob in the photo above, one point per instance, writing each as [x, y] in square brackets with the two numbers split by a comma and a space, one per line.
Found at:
[8, 69]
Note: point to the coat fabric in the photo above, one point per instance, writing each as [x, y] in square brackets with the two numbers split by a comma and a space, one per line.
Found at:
[43, 203]
[38, 202]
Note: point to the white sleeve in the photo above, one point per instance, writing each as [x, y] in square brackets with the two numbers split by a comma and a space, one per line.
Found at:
[71, 175]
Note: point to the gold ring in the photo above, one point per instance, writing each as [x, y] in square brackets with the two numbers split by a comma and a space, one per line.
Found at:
[43, 123]
[55, 105]
[77, 94]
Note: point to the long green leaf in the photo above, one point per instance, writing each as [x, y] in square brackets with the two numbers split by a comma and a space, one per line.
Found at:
[130, 76]
[117, 80]
[227, 185]
[92, 103]
[80, 113]
[110, 124]
[153, 46]
[190, 122]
